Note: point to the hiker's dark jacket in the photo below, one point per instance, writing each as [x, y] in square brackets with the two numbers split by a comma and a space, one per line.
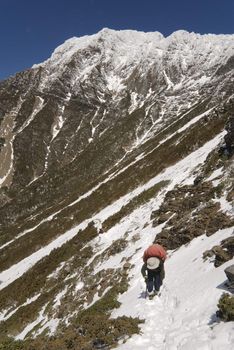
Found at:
[160, 270]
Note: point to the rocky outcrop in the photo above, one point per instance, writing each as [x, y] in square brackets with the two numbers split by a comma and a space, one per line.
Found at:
[221, 253]
[189, 212]
[230, 273]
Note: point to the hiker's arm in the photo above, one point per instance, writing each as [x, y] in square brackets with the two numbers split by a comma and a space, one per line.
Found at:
[143, 270]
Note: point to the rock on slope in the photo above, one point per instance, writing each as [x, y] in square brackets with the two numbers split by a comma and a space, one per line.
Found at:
[117, 137]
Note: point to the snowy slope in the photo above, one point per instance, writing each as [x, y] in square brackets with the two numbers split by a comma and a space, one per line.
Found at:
[183, 316]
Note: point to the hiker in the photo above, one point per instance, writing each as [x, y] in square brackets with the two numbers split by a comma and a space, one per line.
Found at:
[153, 268]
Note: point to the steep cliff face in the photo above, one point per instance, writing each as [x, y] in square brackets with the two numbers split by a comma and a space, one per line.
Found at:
[111, 123]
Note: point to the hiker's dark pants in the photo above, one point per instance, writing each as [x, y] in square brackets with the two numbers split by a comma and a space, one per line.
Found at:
[155, 279]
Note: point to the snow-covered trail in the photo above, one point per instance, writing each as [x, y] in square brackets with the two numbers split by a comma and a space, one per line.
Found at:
[183, 316]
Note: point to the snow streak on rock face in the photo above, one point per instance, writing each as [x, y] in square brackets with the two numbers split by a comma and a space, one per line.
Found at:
[95, 140]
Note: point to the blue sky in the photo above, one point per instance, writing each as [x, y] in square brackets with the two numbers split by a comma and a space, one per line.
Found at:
[32, 29]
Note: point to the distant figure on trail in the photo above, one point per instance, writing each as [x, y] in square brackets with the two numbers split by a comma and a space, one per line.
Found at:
[153, 268]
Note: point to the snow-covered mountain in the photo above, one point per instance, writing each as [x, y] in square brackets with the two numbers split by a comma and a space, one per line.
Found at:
[117, 140]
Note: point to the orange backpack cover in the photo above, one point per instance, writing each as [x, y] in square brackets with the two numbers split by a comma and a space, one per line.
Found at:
[155, 250]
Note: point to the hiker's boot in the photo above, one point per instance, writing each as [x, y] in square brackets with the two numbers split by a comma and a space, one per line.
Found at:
[151, 295]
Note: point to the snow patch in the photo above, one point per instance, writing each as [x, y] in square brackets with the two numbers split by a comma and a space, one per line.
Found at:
[38, 105]
[168, 81]
[216, 173]
[59, 296]
[32, 325]
[114, 83]
[58, 124]
[79, 286]
[135, 102]
[7, 313]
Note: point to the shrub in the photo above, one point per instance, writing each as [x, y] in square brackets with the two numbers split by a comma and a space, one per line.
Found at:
[11, 344]
[226, 307]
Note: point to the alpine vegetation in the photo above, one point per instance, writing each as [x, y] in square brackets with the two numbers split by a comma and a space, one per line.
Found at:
[120, 141]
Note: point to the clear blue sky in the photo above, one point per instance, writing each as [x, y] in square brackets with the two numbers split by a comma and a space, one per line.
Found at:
[32, 29]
